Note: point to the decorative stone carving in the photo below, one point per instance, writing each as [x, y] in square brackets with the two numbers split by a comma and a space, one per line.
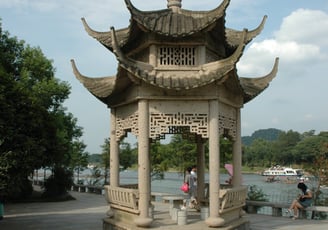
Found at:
[177, 56]
[161, 123]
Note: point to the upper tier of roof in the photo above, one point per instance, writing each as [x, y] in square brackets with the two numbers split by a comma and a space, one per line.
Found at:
[174, 22]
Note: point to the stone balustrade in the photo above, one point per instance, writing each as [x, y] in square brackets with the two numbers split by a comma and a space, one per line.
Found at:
[253, 205]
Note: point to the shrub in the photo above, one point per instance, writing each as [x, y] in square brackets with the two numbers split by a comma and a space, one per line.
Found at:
[256, 193]
[58, 183]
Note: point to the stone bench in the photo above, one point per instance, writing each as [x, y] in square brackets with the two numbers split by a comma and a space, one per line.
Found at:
[232, 198]
[232, 201]
[124, 199]
[229, 198]
[155, 195]
[176, 202]
[277, 208]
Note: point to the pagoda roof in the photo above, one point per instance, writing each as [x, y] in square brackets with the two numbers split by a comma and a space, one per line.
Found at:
[106, 87]
[103, 88]
[168, 22]
[180, 24]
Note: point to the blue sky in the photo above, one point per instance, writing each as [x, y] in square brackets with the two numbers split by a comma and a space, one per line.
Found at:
[296, 31]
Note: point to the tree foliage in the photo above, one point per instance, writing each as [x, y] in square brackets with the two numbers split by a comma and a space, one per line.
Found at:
[290, 148]
[35, 129]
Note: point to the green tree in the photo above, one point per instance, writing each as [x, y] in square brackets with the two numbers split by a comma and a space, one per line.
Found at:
[160, 160]
[308, 149]
[127, 157]
[79, 158]
[284, 147]
[105, 158]
[259, 153]
[35, 129]
[225, 151]
[182, 152]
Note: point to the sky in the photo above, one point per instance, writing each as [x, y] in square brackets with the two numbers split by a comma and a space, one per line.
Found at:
[296, 31]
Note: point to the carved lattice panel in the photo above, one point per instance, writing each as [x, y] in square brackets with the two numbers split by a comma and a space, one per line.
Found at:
[185, 123]
[161, 123]
[123, 124]
[176, 56]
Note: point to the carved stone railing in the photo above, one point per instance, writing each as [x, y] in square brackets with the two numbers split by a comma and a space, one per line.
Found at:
[253, 206]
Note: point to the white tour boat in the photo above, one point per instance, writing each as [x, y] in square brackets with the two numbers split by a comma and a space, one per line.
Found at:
[282, 171]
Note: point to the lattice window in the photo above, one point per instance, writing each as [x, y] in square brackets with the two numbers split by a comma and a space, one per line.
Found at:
[178, 123]
[172, 123]
[176, 56]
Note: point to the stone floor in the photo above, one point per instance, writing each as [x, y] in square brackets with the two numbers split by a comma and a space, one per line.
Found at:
[88, 210]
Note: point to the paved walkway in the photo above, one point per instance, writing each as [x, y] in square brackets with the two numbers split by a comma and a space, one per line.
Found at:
[87, 211]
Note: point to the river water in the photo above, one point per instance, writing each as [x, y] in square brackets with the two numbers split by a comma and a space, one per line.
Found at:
[278, 191]
[275, 191]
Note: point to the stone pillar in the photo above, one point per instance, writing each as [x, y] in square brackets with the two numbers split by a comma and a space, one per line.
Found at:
[236, 153]
[200, 168]
[143, 165]
[214, 219]
[114, 161]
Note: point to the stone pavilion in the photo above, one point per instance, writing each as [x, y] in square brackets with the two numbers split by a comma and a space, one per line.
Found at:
[176, 75]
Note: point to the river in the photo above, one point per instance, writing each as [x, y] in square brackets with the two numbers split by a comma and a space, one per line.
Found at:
[275, 191]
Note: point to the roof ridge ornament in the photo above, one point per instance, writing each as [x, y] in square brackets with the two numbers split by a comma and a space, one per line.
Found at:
[175, 5]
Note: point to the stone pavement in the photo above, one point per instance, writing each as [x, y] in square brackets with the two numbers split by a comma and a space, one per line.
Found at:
[87, 211]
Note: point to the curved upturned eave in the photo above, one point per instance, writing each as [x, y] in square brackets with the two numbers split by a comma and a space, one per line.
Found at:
[126, 60]
[101, 87]
[183, 23]
[233, 59]
[105, 38]
[208, 73]
[254, 86]
[233, 36]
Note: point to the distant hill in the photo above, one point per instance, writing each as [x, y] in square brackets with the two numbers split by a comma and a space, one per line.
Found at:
[270, 134]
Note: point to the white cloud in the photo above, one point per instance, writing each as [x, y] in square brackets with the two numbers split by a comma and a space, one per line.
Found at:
[305, 26]
[300, 41]
[289, 51]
